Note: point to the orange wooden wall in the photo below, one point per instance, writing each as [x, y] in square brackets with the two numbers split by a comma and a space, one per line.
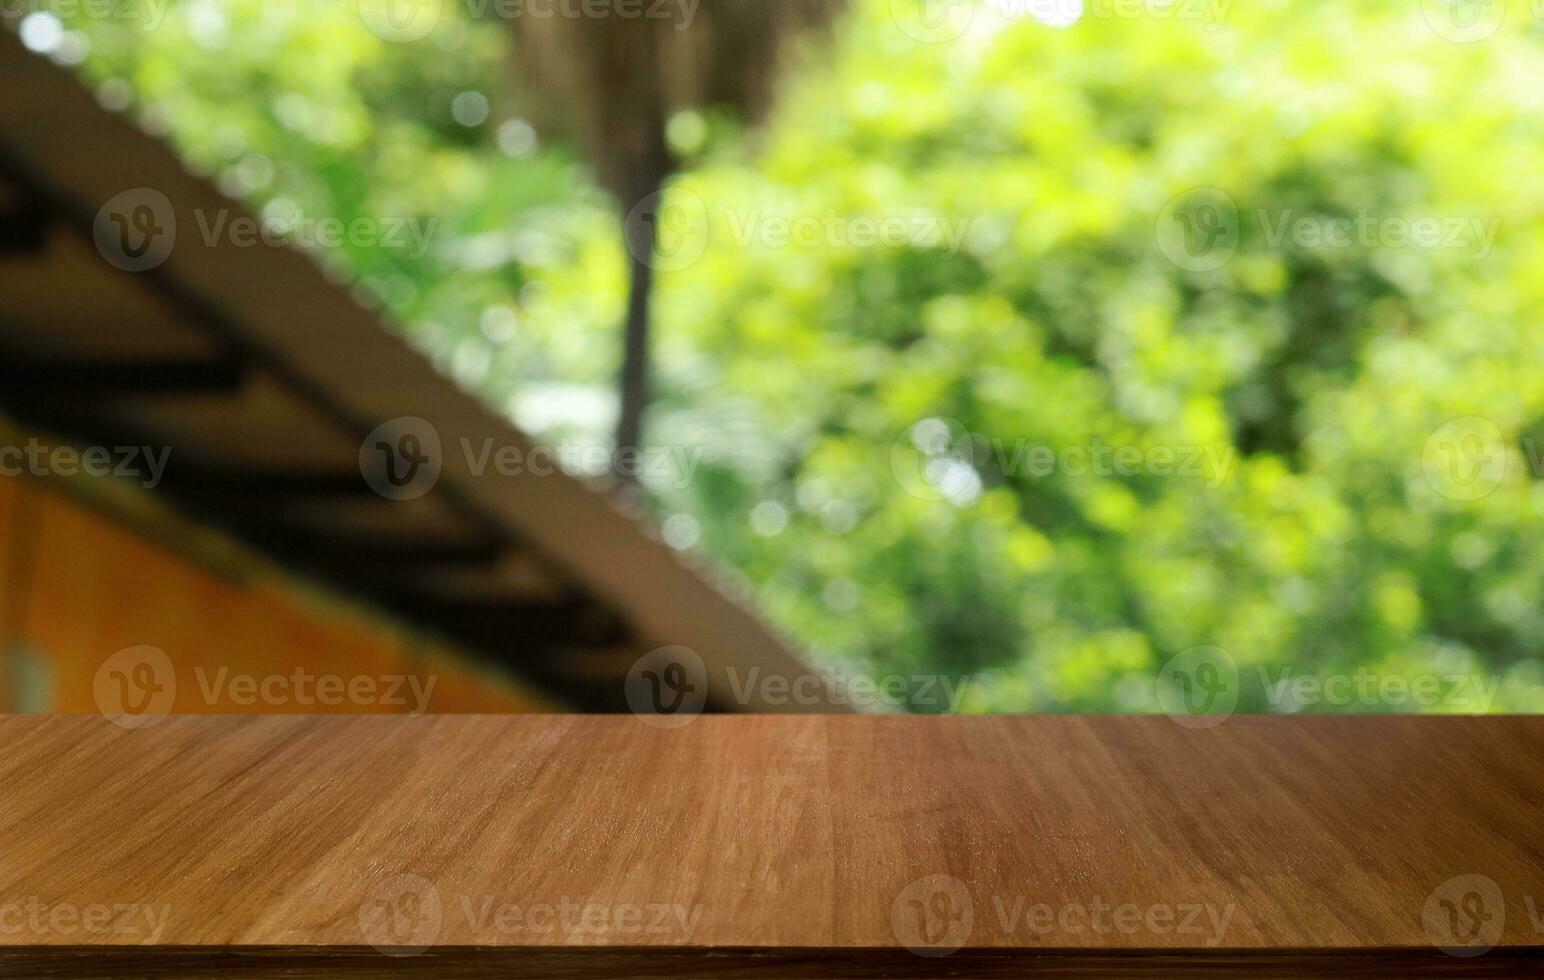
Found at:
[90, 586]
[10, 606]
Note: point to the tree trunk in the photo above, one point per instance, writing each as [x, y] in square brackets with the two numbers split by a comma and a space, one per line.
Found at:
[640, 232]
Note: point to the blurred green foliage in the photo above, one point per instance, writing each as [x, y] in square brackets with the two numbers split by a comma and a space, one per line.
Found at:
[1330, 527]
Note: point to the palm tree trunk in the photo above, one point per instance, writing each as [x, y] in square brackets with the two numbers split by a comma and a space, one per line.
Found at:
[641, 234]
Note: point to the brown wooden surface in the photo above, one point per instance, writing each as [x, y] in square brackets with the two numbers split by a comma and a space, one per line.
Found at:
[767, 845]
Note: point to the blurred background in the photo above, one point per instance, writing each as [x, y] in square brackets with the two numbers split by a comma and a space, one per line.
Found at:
[1032, 343]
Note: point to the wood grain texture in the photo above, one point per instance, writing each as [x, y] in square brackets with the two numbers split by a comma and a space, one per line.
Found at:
[771, 846]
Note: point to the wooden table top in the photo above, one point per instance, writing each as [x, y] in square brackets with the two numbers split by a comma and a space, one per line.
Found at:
[771, 846]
